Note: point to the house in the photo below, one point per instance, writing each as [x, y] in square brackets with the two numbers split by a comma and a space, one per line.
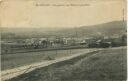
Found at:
[69, 41]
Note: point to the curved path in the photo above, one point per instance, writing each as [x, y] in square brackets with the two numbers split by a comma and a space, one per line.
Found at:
[10, 73]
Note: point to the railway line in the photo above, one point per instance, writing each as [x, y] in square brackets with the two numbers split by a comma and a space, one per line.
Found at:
[15, 51]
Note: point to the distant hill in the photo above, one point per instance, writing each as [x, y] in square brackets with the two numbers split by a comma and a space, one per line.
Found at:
[105, 29]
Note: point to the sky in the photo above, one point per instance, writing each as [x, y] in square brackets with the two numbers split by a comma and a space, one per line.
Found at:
[42, 13]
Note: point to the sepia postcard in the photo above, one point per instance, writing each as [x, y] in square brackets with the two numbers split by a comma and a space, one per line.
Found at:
[63, 40]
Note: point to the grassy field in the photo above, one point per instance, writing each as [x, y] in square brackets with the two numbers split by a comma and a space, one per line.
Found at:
[10, 61]
[106, 65]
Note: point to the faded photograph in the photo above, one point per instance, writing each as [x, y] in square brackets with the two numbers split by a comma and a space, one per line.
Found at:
[63, 40]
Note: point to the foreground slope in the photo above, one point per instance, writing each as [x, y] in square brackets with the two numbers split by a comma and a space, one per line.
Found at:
[108, 64]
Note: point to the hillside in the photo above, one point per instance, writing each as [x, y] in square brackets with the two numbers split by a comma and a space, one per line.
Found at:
[105, 65]
[104, 29]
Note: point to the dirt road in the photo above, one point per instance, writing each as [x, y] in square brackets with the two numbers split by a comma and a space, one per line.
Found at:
[10, 73]
[11, 61]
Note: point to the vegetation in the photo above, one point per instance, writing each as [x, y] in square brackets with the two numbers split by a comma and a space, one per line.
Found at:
[106, 65]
